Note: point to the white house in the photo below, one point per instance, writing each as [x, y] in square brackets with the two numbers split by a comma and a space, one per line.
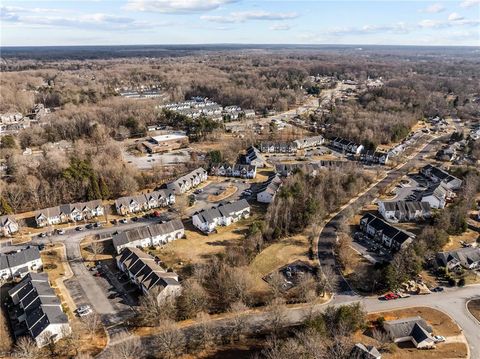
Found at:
[345, 145]
[401, 211]
[144, 271]
[222, 215]
[237, 170]
[436, 195]
[254, 157]
[144, 202]
[69, 212]
[8, 225]
[266, 193]
[18, 263]
[150, 235]
[413, 329]
[40, 309]
[189, 181]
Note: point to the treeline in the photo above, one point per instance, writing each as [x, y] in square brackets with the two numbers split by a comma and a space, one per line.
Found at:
[304, 199]
[92, 169]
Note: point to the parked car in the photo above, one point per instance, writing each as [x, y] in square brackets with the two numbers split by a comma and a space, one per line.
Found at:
[123, 221]
[438, 289]
[89, 226]
[97, 225]
[42, 235]
[439, 338]
[79, 228]
[134, 219]
[60, 231]
[84, 310]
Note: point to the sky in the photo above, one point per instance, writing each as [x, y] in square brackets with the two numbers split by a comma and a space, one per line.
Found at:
[131, 22]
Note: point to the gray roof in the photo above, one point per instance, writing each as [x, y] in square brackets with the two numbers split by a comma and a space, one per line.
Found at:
[223, 210]
[21, 257]
[42, 306]
[415, 327]
[67, 209]
[147, 231]
[146, 271]
[186, 178]
[464, 256]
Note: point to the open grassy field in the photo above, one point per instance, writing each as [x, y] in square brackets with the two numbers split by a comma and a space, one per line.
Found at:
[454, 241]
[441, 323]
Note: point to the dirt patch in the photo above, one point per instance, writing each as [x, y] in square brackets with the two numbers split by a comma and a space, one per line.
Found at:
[455, 242]
[474, 308]
[227, 192]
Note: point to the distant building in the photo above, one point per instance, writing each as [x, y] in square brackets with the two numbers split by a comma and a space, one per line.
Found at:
[143, 271]
[345, 145]
[236, 170]
[165, 143]
[150, 235]
[38, 310]
[222, 215]
[254, 157]
[20, 262]
[374, 157]
[414, 329]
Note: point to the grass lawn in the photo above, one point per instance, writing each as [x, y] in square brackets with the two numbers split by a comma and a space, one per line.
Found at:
[197, 247]
[441, 323]
[474, 308]
[53, 264]
[278, 255]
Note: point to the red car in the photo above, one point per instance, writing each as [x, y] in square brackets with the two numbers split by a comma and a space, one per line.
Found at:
[390, 296]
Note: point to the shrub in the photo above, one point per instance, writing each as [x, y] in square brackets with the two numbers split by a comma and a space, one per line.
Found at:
[461, 282]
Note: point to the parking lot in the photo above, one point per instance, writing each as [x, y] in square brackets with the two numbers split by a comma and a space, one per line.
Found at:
[410, 186]
[148, 161]
[216, 188]
[369, 249]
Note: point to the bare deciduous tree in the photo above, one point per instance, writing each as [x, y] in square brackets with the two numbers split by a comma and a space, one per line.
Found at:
[92, 323]
[26, 348]
[239, 320]
[126, 346]
[170, 340]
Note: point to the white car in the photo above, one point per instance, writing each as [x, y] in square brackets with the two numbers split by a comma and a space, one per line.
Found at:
[84, 310]
[439, 338]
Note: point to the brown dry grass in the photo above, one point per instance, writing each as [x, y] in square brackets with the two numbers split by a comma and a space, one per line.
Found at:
[441, 323]
[474, 308]
[6, 340]
[277, 255]
[454, 241]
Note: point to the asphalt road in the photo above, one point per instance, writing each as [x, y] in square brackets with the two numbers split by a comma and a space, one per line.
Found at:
[328, 235]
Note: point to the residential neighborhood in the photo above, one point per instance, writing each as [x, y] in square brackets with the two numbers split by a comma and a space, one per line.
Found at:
[260, 180]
